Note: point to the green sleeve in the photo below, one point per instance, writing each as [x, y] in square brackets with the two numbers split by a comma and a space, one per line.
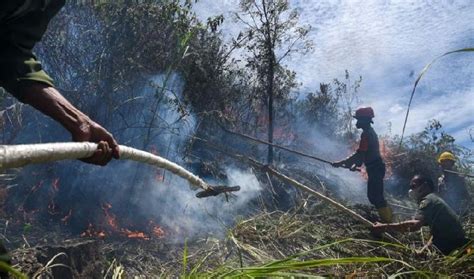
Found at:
[426, 212]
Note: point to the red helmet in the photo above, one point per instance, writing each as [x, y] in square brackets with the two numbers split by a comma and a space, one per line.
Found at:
[364, 112]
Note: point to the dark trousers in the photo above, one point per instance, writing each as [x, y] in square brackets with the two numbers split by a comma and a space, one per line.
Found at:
[376, 173]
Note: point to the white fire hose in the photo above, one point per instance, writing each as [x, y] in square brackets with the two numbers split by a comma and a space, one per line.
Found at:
[14, 156]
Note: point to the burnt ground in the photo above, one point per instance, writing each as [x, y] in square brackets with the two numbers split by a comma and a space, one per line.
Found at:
[303, 229]
[261, 238]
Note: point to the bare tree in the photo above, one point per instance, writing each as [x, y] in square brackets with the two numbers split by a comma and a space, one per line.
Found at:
[273, 34]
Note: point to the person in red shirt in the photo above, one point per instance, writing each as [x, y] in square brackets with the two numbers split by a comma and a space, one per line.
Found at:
[368, 154]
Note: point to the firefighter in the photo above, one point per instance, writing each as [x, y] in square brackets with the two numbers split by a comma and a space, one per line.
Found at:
[451, 186]
[22, 25]
[368, 154]
[446, 230]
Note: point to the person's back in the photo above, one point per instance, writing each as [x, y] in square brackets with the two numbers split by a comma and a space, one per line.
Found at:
[451, 186]
[372, 155]
[446, 230]
[452, 189]
[445, 227]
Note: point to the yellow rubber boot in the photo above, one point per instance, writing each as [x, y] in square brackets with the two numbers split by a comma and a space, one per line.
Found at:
[385, 214]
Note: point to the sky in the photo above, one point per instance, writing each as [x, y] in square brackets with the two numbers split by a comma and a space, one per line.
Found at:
[387, 43]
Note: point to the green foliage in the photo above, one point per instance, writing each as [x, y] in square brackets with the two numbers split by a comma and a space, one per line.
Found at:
[185, 258]
[98, 51]
[272, 28]
[275, 31]
[6, 267]
[418, 155]
[331, 107]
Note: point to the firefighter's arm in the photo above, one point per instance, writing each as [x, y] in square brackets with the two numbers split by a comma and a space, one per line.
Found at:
[406, 226]
[357, 158]
[50, 102]
[353, 161]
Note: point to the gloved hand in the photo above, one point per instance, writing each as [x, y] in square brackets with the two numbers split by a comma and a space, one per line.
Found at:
[354, 168]
[336, 164]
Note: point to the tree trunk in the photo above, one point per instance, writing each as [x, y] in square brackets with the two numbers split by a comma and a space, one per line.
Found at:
[270, 94]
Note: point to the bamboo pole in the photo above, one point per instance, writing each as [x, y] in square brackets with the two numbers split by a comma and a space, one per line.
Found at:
[277, 146]
[13, 156]
[297, 184]
[460, 173]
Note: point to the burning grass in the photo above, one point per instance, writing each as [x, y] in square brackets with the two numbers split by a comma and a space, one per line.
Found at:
[308, 241]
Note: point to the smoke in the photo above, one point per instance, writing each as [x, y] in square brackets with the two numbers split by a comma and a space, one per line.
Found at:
[312, 139]
[186, 216]
[166, 198]
[151, 117]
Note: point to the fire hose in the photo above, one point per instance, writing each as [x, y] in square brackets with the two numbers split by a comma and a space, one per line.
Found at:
[14, 156]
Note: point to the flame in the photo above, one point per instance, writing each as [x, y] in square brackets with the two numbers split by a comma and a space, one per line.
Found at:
[111, 219]
[92, 232]
[158, 232]
[113, 227]
[385, 152]
[135, 234]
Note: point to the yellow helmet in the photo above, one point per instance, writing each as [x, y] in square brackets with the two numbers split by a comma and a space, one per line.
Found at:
[446, 156]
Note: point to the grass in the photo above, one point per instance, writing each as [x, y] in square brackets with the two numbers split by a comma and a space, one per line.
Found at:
[306, 243]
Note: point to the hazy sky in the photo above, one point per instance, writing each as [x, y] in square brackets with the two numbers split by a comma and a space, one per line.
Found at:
[384, 41]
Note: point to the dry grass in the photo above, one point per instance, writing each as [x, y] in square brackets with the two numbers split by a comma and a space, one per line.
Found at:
[313, 239]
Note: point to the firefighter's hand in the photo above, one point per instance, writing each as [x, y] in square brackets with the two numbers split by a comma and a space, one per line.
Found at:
[107, 148]
[337, 164]
[354, 168]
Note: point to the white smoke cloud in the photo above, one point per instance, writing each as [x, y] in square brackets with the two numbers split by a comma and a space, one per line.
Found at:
[387, 43]
[175, 206]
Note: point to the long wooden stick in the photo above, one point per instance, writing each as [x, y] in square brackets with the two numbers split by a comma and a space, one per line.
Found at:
[296, 184]
[13, 156]
[277, 146]
[460, 173]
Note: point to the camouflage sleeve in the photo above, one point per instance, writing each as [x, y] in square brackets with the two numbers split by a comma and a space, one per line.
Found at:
[26, 26]
[425, 213]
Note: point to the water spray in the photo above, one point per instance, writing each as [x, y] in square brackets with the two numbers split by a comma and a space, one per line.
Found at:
[14, 156]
